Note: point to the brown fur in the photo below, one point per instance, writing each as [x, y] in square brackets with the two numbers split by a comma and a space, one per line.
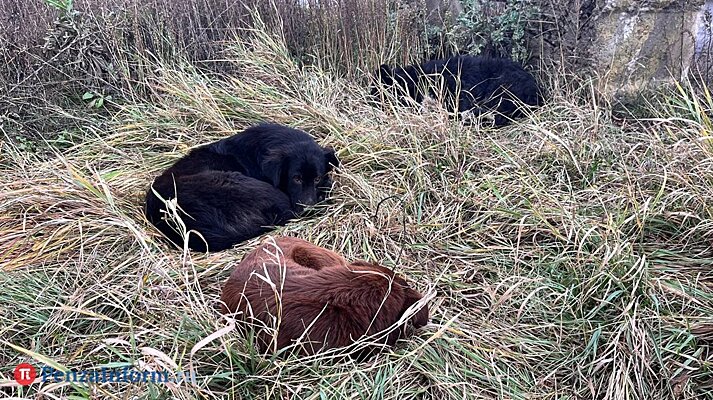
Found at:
[314, 286]
[293, 251]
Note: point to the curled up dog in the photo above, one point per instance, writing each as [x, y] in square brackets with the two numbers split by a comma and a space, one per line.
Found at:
[308, 299]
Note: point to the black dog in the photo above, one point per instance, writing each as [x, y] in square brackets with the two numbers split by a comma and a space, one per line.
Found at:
[476, 84]
[237, 188]
[288, 159]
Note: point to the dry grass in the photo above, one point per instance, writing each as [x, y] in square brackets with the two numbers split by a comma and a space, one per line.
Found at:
[570, 256]
[103, 44]
[51, 56]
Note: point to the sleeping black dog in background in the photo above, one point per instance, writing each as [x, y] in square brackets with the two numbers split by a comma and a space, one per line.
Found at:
[476, 84]
[239, 187]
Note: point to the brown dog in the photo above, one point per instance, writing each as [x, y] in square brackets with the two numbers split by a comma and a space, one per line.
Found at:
[315, 300]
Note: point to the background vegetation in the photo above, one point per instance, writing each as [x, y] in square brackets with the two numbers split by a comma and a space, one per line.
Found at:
[568, 255]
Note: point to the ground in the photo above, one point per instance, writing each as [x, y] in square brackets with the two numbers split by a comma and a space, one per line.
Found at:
[567, 256]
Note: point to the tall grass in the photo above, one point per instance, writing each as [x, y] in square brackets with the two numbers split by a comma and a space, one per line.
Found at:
[569, 254]
[53, 56]
[109, 40]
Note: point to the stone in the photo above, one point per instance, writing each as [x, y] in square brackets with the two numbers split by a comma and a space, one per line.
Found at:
[629, 45]
[638, 45]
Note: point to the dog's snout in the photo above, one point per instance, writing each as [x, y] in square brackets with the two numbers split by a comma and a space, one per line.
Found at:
[308, 199]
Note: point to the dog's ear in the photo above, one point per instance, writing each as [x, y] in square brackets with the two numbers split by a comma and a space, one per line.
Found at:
[412, 297]
[412, 72]
[330, 159]
[385, 75]
[272, 166]
[384, 70]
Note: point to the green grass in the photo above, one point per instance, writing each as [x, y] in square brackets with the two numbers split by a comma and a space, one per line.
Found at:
[568, 255]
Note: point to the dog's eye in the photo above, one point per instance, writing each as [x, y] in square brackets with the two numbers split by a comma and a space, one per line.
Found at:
[317, 179]
[297, 179]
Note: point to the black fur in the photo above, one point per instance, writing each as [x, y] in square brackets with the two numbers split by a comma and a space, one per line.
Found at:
[239, 187]
[481, 84]
[224, 207]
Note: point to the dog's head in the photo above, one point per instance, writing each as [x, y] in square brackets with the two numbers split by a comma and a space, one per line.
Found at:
[383, 78]
[402, 81]
[301, 170]
[402, 290]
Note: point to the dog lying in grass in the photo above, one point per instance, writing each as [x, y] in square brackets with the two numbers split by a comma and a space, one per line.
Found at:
[240, 187]
[309, 299]
[468, 84]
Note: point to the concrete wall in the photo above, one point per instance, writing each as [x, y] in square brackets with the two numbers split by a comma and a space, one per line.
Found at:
[629, 44]
[638, 44]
